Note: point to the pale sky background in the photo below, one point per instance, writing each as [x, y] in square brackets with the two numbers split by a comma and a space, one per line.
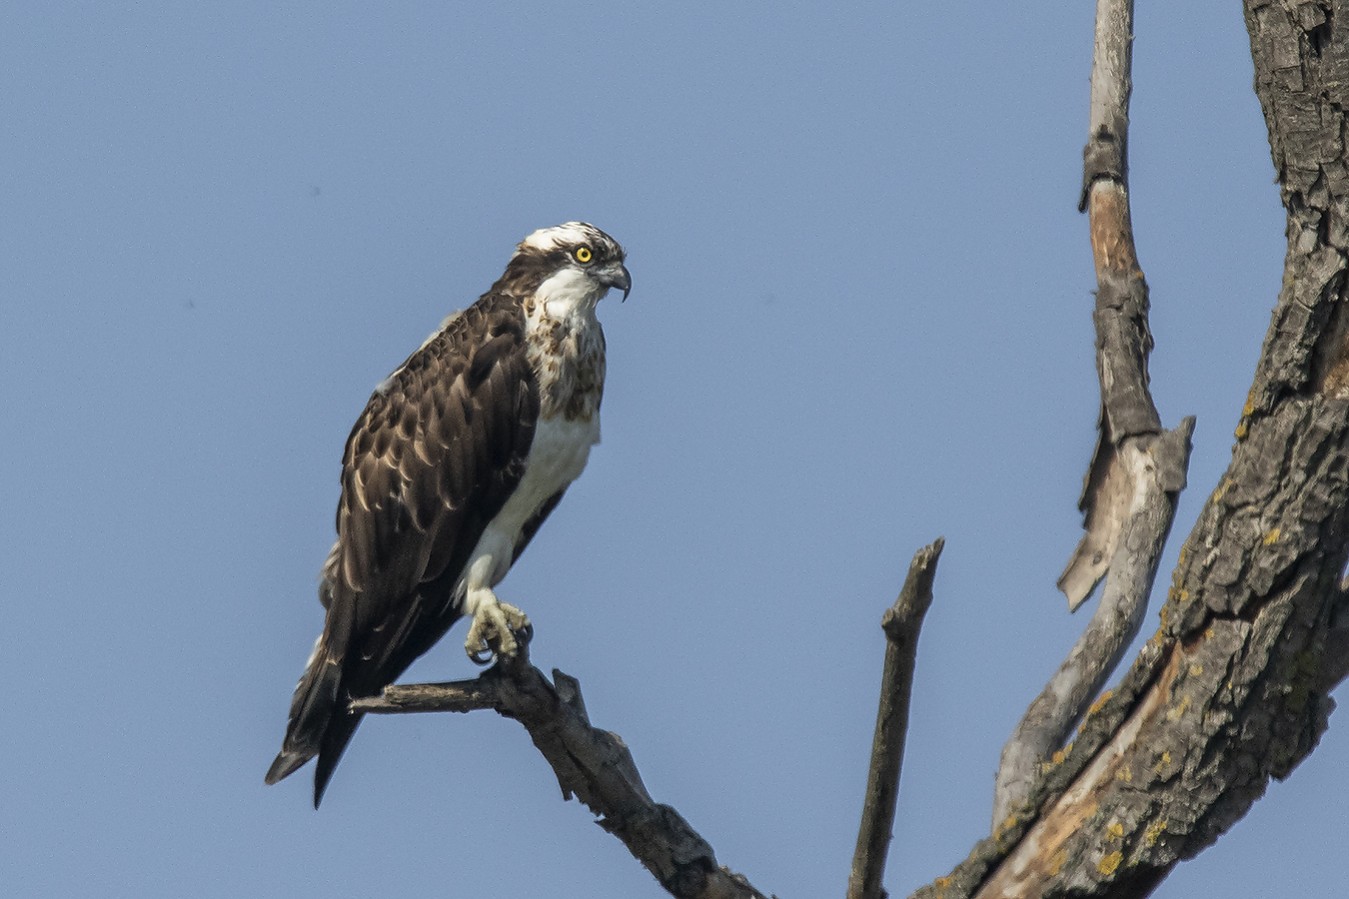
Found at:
[860, 319]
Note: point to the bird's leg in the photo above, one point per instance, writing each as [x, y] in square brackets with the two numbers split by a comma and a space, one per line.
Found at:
[494, 629]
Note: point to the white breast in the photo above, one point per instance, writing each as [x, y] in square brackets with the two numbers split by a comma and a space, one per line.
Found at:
[556, 458]
[566, 350]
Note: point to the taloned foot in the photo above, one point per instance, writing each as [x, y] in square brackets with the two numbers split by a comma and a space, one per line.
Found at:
[498, 629]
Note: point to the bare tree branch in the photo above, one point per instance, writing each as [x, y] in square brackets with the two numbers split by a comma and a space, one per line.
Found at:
[1137, 470]
[901, 623]
[591, 764]
[1123, 339]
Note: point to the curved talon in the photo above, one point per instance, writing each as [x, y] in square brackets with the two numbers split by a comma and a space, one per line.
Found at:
[525, 633]
[493, 632]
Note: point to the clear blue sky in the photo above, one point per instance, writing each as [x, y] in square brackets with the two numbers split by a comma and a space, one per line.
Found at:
[860, 319]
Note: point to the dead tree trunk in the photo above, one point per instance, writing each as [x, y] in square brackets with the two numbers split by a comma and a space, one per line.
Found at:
[1232, 689]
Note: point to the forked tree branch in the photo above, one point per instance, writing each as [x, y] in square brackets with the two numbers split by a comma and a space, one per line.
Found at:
[1231, 690]
[901, 623]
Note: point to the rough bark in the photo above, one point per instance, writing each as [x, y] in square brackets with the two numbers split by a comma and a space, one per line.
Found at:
[1232, 689]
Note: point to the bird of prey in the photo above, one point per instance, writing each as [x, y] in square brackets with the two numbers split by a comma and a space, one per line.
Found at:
[459, 456]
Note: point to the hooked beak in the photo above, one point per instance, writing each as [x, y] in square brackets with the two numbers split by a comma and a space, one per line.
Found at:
[615, 274]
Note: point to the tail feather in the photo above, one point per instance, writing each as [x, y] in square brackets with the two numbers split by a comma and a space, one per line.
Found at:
[312, 714]
[320, 723]
[285, 764]
[341, 728]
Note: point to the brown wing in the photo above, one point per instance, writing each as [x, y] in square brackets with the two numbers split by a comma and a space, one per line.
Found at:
[430, 462]
[432, 459]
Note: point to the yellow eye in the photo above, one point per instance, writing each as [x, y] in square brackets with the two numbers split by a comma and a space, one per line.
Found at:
[583, 254]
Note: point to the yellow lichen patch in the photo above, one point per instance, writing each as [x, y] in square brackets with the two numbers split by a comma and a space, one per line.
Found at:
[1196, 669]
[1272, 537]
[941, 883]
[1154, 832]
[1218, 493]
[1007, 824]
[1125, 773]
[1100, 702]
[1057, 757]
[1163, 762]
[1178, 710]
[1242, 430]
[1110, 863]
[1115, 829]
[1056, 862]
[1247, 411]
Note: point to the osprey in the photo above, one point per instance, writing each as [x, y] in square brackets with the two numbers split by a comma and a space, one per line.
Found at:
[459, 456]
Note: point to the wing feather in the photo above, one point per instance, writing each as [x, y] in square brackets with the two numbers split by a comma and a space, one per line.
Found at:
[431, 460]
[436, 455]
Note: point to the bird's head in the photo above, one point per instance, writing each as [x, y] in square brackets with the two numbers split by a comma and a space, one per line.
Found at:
[575, 263]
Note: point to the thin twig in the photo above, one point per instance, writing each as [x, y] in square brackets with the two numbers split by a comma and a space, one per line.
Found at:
[591, 764]
[901, 623]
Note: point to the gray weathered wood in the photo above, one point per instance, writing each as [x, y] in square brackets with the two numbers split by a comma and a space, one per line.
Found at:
[1123, 339]
[1157, 472]
[1137, 470]
[902, 623]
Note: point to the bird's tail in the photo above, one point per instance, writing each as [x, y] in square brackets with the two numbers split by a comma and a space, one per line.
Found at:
[341, 727]
[317, 726]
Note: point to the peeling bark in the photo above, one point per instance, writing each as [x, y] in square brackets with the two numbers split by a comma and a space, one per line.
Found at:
[1156, 469]
[1137, 470]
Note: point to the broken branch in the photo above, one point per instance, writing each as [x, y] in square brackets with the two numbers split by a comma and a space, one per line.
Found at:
[901, 623]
